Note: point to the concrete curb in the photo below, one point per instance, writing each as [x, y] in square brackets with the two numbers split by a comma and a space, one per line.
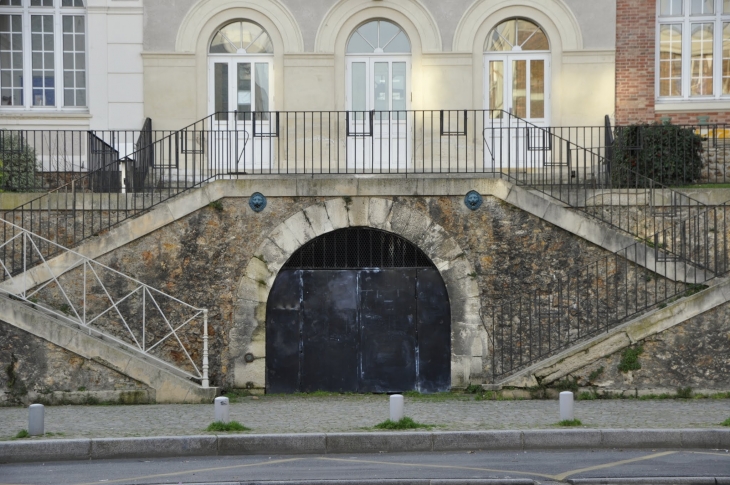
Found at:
[386, 481]
[652, 481]
[332, 443]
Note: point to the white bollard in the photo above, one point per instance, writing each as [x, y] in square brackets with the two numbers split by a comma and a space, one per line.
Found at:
[396, 407]
[566, 406]
[36, 425]
[221, 410]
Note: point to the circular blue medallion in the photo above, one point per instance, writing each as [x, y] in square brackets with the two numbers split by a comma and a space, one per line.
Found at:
[257, 202]
[473, 200]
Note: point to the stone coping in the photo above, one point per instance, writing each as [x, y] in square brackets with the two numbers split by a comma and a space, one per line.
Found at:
[326, 185]
[366, 442]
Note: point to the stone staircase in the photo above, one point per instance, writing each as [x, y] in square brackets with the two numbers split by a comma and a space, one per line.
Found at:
[166, 382]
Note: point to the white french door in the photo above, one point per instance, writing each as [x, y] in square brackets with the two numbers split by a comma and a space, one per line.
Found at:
[378, 127]
[241, 99]
[518, 84]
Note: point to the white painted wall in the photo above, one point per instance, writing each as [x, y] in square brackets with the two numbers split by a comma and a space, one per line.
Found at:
[116, 74]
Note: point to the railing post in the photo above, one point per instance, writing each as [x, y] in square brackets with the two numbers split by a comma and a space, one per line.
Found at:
[73, 200]
[205, 382]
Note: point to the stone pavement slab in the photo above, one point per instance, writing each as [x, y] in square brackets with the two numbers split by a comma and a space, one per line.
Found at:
[338, 414]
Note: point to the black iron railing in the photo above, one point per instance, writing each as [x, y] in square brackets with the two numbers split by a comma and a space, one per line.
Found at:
[132, 175]
[43, 160]
[599, 296]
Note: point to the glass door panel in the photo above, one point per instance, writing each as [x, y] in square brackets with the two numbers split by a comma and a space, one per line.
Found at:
[220, 88]
[537, 88]
[358, 94]
[399, 86]
[496, 88]
[262, 90]
[519, 88]
[381, 96]
[243, 90]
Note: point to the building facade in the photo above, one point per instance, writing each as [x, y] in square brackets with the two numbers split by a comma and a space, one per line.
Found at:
[162, 60]
[672, 61]
[278, 125]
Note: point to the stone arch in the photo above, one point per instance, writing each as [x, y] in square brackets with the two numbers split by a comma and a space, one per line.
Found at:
[554, 16]
[469, 340]
[207, 15]
[346, 15]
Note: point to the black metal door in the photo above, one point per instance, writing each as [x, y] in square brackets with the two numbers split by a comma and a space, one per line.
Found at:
[330, 337]
[283, 333]
[434, 332]
[388, 330]
[332, 324]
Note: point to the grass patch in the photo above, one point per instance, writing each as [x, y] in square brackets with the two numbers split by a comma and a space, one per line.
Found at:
[235, 396]
[566, 385]
[438, 396]
[726, 422]
[570, 422]
[684, 392]
[630, 359]
[23, 433]
[649, 397]
[473, 389]
[229, 426]
[596, 374]
[694, 288]
[217, 205]
[405, 423]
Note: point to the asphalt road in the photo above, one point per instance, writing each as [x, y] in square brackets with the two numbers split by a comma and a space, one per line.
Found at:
[542, 467]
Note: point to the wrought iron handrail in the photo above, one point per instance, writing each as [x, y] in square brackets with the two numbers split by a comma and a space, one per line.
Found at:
[107, 302]
[603, 294]
[234, 144]
[623, 198]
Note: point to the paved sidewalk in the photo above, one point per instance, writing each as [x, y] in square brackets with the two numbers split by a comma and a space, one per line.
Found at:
[294, 414]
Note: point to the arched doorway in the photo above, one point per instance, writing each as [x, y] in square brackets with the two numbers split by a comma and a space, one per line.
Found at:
[241, 93]
[517, 71]
[516, 81]
[358, 310]
[378, 96]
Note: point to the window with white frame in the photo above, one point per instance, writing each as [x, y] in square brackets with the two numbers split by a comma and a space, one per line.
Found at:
[42, 54]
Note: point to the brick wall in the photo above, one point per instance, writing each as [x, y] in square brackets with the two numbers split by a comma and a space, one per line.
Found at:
[635, 68]
[635, 47]
[685, 118]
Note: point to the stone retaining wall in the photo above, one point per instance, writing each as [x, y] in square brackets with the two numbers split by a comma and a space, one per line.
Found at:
[210, 258]
[34, 370]
[693, 354]
[203, 258]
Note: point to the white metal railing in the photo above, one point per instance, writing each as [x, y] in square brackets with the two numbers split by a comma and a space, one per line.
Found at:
[106, 302]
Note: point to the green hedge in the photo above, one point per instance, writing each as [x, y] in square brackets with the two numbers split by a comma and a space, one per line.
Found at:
[664, 153]
[18, 163]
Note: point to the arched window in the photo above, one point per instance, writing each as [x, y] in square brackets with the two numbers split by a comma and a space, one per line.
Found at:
[241, 67]
[517, 71]
[517, 35]
[241, 37]
[378, 82]
[379, 37]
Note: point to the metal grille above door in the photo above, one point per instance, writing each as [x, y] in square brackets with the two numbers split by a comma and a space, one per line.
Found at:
[358, 248]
